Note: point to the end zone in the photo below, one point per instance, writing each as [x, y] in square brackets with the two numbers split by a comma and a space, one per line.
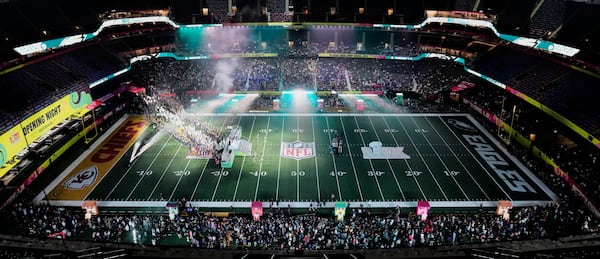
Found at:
[79, 179]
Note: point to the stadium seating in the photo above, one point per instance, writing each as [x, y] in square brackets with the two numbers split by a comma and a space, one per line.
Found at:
[547, 18]
[561, 88]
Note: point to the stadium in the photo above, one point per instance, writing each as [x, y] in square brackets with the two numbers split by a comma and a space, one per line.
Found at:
[299, 129]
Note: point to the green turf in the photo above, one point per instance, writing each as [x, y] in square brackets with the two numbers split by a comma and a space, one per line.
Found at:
[436, 149]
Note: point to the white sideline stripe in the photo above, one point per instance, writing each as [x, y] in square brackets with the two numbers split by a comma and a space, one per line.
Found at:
[284, 204]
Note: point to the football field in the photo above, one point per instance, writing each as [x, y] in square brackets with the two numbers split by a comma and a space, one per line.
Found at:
[452, 162]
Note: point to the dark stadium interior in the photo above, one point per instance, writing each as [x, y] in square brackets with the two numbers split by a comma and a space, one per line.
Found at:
[539, 103]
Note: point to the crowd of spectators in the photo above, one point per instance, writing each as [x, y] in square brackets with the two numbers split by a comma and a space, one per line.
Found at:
[279, 230]
[426, 77]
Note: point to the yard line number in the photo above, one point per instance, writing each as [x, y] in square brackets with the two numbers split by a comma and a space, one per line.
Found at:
[220, 173]
[412, 173]
[451, 173]
[375, 173]
[144, 173]
[338, 173]
[257, 173]
[299, 173]
[181, 173]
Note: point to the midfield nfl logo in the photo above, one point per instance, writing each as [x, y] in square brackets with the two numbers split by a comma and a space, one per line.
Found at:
[298, 150]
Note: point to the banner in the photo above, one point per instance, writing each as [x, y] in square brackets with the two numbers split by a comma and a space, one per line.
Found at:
[11, 143]
[340, 210]
[503, 209]
[39, 123]
[244, 55]
[91, 209]
[173, 209]
[423, 209]
[350, 55]
[463, 85]
[257, 210]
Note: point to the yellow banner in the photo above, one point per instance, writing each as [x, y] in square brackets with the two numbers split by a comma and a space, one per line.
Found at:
[244, 55]
[350, 55]
[11, 143]
[82, 180]
[39, 123]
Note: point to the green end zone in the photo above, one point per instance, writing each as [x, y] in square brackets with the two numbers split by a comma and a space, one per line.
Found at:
[370, 160]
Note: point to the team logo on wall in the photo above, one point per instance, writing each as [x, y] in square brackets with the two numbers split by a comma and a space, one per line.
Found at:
[298, 150]
[461, 125]
[82, 179]
[3, 155]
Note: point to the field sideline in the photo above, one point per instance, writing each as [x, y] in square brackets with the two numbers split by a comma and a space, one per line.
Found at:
[453, 162]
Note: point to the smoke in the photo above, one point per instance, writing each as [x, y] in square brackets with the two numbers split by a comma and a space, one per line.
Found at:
[224, 74]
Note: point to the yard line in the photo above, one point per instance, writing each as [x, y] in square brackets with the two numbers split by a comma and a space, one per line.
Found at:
[407, 164]
[279, 165]
[458, 159]
[221, 174]
[119, 182]
[243, 162]
[297, 161]
[122, 176]
[370, 161]
[150, 165]
[205, 165]
[312, 120]
[164, 171]
[262, 155]
[441, 159]
[199, 179]
[351, 159]
[179, 180]
[387, 160]
[333, 159]
[217, 185]
[422, 159]
[477, 160]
